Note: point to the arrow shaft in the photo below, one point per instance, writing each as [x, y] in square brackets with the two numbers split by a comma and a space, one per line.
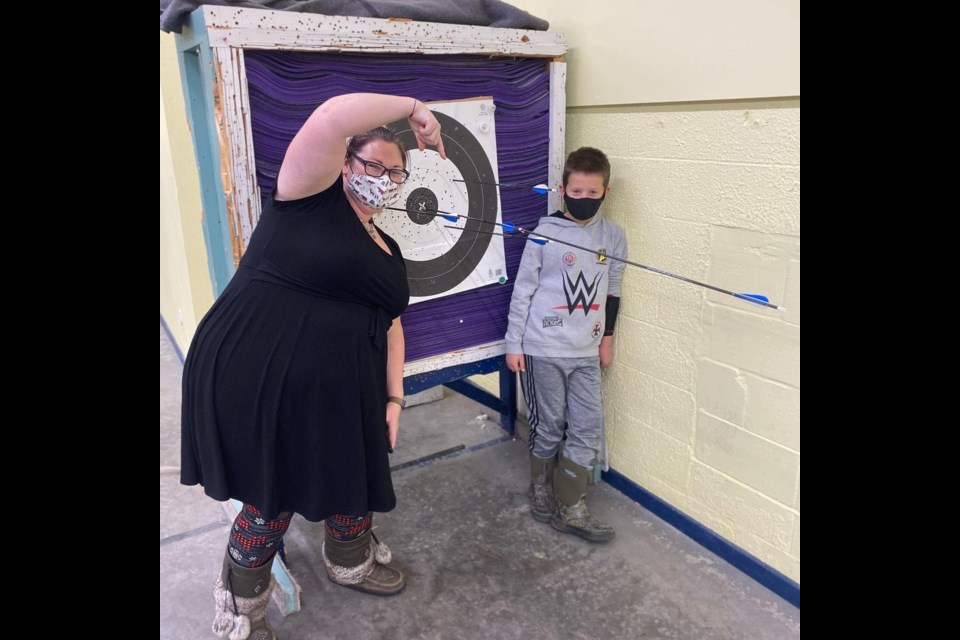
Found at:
[655, 270]
[511, 228]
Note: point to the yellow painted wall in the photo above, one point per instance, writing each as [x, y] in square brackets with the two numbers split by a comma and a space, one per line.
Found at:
[703, 400]
[646, 51]
[185, 289]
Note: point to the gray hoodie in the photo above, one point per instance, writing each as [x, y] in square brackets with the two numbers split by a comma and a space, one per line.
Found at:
[559, 299]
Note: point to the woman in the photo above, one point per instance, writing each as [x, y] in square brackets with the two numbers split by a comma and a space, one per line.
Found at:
[292, 372]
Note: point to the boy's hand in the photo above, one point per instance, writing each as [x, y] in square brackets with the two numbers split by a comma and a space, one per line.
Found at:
[515, 362]
[606, 351]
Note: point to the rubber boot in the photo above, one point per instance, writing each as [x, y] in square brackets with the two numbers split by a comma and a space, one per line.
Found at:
[570, 488]
[542, 505]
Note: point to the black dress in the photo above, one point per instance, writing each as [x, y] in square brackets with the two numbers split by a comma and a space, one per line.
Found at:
[284, 386]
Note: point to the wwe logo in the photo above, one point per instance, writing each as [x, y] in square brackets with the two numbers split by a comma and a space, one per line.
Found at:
[578, 291]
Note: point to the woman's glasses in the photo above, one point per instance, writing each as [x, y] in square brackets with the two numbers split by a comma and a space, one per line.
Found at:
[375, 170]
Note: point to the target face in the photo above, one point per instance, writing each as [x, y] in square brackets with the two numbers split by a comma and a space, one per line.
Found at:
[442, 260]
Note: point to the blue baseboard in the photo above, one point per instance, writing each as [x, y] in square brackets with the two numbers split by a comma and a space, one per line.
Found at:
[743, 560]
[173, 341]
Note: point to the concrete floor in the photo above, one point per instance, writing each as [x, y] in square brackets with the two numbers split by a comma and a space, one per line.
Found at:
[477, 565]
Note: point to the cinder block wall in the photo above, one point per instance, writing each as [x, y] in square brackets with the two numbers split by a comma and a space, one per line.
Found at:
[703, 400]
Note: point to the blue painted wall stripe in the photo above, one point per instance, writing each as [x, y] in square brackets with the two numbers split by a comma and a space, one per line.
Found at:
[763, 573]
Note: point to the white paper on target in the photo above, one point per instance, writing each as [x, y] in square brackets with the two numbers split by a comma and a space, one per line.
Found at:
[432, 179]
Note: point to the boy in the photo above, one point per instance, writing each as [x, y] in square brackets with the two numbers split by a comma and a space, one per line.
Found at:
[559, 335]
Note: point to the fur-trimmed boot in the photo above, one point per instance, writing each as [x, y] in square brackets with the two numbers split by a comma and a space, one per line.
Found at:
[570, 484]
[361, 564]
[542, 504]
[242, 596]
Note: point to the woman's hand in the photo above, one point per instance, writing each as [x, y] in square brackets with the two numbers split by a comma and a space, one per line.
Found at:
[393, 423]
[426, 128]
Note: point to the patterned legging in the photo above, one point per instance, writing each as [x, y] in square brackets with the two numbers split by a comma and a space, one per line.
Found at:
[254, 540]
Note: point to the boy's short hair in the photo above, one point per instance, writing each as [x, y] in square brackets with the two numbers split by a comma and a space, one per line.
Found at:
[587, 160]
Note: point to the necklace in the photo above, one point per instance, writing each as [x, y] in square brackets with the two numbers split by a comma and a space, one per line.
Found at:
[368, 225]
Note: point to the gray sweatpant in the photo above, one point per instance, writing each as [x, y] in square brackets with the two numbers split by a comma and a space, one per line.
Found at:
[562, 391]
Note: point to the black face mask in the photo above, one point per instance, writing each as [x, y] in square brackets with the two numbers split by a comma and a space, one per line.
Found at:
[583, 208]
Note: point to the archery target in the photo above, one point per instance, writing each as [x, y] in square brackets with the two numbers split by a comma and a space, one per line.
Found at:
[440, 260]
